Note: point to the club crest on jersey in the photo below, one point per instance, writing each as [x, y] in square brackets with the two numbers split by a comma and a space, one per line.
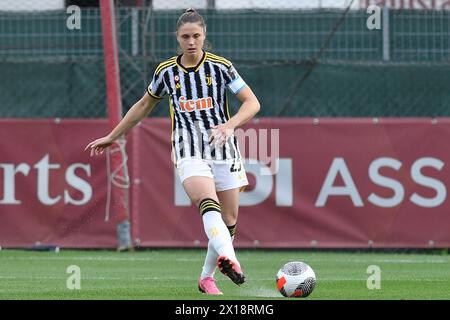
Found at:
[208, 80]
[195, 104]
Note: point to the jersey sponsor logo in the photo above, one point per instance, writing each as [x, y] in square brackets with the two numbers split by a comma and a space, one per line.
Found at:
[196, 104]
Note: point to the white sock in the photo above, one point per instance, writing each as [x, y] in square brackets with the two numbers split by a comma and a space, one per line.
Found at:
[210, 265]
[218, 234]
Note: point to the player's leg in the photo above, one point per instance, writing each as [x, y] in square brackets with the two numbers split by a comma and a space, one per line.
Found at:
[229, 200]
[229, 177]
[229, 204]
[201, 191]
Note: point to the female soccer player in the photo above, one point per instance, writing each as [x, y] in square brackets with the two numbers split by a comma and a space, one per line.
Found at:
[204, 148]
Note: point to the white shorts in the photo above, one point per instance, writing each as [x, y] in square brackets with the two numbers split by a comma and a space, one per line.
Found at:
[227, 174]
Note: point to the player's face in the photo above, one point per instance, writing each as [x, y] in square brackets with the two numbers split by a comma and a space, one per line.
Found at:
[191, 37]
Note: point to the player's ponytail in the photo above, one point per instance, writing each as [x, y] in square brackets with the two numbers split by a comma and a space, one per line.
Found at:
[191, 15]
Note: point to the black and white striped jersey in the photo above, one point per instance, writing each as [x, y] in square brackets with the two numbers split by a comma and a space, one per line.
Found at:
[198, 101]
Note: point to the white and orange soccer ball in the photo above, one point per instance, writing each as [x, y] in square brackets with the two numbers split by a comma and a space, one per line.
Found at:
[296, 279]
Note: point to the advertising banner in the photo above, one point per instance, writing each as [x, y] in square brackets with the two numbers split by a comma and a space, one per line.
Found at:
[314, 183]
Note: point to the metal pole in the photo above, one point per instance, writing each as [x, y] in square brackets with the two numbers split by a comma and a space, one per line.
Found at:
[134, 31]
[118, 172]
[386, 31]
[211, 4]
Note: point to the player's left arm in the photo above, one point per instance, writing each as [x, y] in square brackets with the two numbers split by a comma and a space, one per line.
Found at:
[249, 108]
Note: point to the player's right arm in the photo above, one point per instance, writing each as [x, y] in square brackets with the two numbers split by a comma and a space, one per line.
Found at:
[137, 112]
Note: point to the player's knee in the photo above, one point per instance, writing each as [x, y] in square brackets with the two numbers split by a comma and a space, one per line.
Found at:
[230, 216]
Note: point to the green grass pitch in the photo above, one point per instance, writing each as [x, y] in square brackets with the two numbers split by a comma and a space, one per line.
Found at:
[172, 274]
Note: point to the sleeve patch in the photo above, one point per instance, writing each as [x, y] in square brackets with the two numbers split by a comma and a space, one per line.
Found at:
[237, 85]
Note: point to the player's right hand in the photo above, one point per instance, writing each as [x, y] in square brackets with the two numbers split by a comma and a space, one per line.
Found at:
[98, 146]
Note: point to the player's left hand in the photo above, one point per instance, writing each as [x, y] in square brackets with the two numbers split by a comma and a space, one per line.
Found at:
[220, 134]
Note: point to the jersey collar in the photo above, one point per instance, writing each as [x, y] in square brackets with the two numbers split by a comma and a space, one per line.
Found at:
[195, 69]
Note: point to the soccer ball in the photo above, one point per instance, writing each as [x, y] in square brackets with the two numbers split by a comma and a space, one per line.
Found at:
[296, 279]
